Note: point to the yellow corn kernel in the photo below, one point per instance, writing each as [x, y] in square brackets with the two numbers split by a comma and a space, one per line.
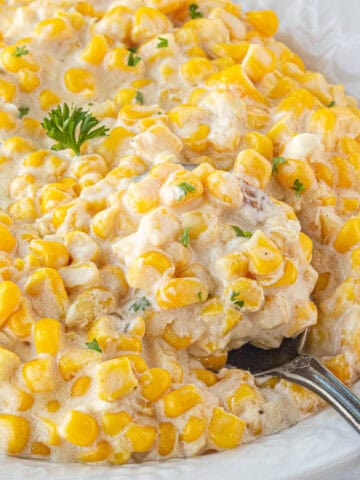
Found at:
[6, 121]
[47, 99]
[215, 362]
[197, 70]
[179, 343]
[264, 256]
[9, 362]
[348, 205]
[46, 288]
[294, 170]
[53, 29]
[258, 61]
[181, 188]
[232, 266]
[13, 63]
[23, 210]
[53, 406]
[103, 330]
[40, 449]
[154, 383]
[28, 80]
[236, 51]
[253, 167]
[53, 437]
[113, 423]
[70, 363]
[25, 401]
[79, 80]
[206, 377]
[81, 247]
[141, 437]
[260, 143]
[323, 121]
[20, 322]
[10, 295]
[180, 292]
[297, 102]
[148, 23]
[181, 400]
[339, 366]
[80, 386]
[247, 291]
[343, 170]
[288, 277]
[265, 22]
[225, 429]
[129, 343]
[306, 245]
[7, 90]
[242, 394]
[148, 268]
[100, 453]
[119, 58]
[355, 258]
[115, 379]
[193, 429]
[125, 96]
[137, 362]
[80, 429]
[7, 239]
[167, 438]
[324, 173]
[39, 375]
[95, 50]
[113, 278]
[47, 336]
[15, 433]
[51, 254]
[348, 236]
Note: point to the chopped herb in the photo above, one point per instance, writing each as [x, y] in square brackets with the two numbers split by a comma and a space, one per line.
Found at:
[183, 189]
[199, 295]
[133, 60]
[20, 51]
[241, 233]
[133, 49]
[93, 345]
[185, 237]
[71, 127]
[139, 98]
[194, 11]
[238, 303]
[298, 187]
[159, 113]
[23, 111]
[140, 305]
[277, 161]
[332, 104]
[163, 43]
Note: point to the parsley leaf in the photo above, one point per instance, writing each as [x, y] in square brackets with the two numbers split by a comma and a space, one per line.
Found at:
[194, 11]
[133, 49]
[71, 127]
[241, 233]
[94, 345]
[199, 295]
[185, 237]
[139, 98]
[23, 111]
[298, 187]
[163, 42]
[140, 305]
[20, 51]
[332, 104]
[237, 303]
[133, 60]
[277, 161]
[183, 189]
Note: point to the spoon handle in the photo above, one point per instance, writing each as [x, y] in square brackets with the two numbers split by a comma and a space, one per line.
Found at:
[308, 372]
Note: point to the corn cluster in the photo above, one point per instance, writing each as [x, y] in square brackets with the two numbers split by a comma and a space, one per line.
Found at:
[125, 278]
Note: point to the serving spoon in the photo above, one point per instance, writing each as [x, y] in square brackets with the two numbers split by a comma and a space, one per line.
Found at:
[289, 362]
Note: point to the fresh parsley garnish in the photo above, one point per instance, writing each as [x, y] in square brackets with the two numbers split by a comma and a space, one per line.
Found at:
[139, 98]
[185, 237]
[163, 42]
[94, 345]
[183, 189]
[332, 104]
[194, 11]
[278, 161]
[298, 187]
[140, 305]
[20, 51]
[241, 233]
[133, 59]
[236, 302]
[133, 49]
[71, 127]
[23, 111]
[199, 295]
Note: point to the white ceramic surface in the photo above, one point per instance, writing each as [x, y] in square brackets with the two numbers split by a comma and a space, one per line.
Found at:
[327, 34]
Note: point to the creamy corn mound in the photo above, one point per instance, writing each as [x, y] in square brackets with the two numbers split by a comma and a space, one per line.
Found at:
[125, 278]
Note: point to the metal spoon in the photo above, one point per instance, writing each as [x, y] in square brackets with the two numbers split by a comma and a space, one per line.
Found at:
[290, 363]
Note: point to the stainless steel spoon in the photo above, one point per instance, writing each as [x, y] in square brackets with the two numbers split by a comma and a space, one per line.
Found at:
[290, 363]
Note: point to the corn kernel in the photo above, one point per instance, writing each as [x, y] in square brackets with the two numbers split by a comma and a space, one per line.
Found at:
[193, 429]
[79, 80]
[154, 383]
[206, 377]
[115, 379]
[47, 336]
[225, 429]
[39, 375]
[10, 295]
[180, 292]
[265, 21]
[113, 423]
[253, 167]
[9, 362]
[15, 433]
[80, 386]
[348, 236]
[264, 256]
[47, 99]
[141, 437]
[80, 429]
[181, 400]
[167, 438]
[95, 50]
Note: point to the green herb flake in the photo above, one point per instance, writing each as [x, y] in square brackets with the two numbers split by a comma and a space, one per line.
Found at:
[133, 59]
[241, 233]
[194, 11]
[163, 42]
[183, 189]
[278, 161]
[139, 98]
[140, 305]
[94, 345]
[234, 298]
[298, 187]
[71, 127]
[20, 51]
[200, 297]
[133, 49]
[23, 111]
[185, 237]
[332, 104]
